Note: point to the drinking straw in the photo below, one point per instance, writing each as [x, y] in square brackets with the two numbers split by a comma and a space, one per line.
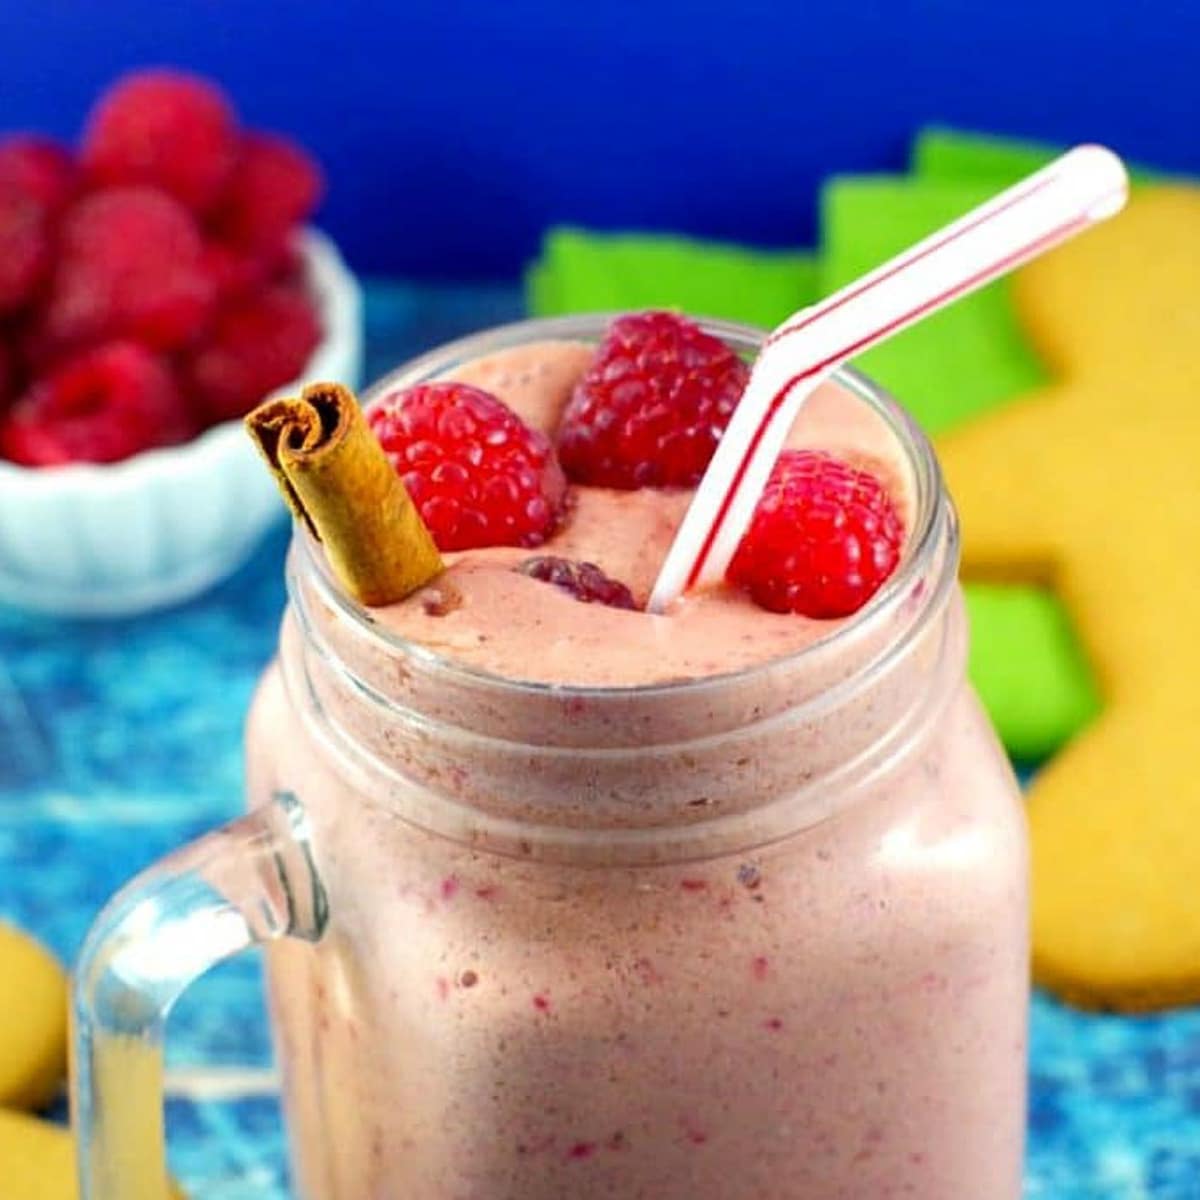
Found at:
[1086, 185]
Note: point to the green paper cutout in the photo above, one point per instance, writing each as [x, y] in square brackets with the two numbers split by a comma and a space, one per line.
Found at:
[581, 271]
[1028, 668]
[957, 363]
[951, 155]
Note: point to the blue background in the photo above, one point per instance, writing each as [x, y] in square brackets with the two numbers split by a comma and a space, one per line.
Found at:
[456, 130]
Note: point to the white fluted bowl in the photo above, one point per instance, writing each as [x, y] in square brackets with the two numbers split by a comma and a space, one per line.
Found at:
[160, 527]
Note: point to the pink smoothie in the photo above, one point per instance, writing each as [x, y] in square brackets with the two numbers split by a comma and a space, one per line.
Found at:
[648, 907]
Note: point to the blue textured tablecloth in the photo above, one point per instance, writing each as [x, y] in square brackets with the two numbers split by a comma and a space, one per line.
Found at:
[119, 740]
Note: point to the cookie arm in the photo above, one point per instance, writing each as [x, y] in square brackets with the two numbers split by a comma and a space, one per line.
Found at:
[1000, 473]
[1115, 856]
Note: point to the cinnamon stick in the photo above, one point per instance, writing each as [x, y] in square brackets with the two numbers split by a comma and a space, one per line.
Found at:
[335, 477]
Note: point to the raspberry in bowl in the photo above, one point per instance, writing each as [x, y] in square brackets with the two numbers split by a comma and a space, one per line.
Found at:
[155, 284]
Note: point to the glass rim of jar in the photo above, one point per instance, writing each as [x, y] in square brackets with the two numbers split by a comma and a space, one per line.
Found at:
[933, 513]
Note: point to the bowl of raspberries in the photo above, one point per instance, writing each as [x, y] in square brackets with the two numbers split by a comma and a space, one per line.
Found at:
[157, 281]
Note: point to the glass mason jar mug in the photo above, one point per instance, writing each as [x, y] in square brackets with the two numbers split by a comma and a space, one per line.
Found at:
[759, 933]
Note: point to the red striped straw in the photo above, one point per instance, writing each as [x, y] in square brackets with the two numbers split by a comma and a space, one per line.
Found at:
[1084, 186]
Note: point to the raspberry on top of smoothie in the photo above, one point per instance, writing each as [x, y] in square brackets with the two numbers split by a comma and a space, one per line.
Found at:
[478, 474]
[651, 405]
[823, 540]
[591, 453]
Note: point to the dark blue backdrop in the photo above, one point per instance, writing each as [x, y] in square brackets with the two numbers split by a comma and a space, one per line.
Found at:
[455, 131]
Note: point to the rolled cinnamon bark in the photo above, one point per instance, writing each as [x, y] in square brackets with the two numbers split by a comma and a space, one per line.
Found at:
[335, 477]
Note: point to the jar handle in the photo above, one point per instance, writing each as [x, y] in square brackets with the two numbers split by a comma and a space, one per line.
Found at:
[254, 880]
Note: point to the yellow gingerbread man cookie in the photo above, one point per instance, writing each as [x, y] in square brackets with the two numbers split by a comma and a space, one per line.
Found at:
[33, 1022]
[1094, 486]
[37, 1161]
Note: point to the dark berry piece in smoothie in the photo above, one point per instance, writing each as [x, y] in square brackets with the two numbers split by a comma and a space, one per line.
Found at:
[585, 581]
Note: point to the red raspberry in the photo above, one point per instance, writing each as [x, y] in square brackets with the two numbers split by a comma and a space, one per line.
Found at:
[8, 375]
[287, 264]
[41, 167]
[31, 349]
[129, 266]
[103, 406]
[652, 404]
[275, 186]
[240, 271]
[255, 346]
[478, 474]
[584, 580]
[165, 128]
[232, 272]
[24, 247]
[824, 538]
